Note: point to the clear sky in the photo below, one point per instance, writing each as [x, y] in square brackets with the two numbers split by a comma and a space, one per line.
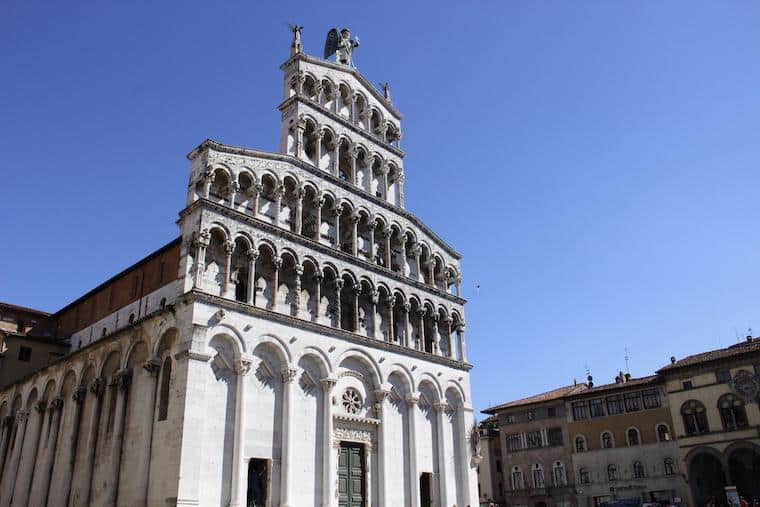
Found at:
[595, 162]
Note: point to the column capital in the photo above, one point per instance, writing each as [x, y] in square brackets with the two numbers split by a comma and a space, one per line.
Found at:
[252, 254]
[21, 416]
[374, 297]
[255, 189]
[124, 379]
[440, 406]
[277, 263]
[152, 366]
[299, 270]
[289, 374]
[41, 406]
[97, 386]
[243, 367]
[421, 312]
[56, 404]
[79, 393]
[229, 247]
[328, 383]
[411, 400]
[407, 307]
[202, 238]
[338, 283]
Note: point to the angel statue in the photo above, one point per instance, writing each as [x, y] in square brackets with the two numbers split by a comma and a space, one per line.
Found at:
[341, 45]
[295, 47]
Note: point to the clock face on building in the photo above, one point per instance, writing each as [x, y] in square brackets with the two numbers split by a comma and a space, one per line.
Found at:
[746, 385]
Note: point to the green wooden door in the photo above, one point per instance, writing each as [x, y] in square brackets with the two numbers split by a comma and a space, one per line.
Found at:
[351, 475]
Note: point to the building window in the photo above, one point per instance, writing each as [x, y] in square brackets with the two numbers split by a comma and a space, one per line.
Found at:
[633, 437]
[723, 376]
[732, 412]
[538, 476]
[514, 442]
[663, 433]
[531, 415]
[607, 441]
[694, 417]
[597, 407]
[632, 402]
[580, 410]
[638, 470]
[131, 318]
[558, 473]
[612, 473]
[25, 354]
[501, 489]
[614, 405]
[668, 465]
[163, 400]
[580, 444]
[651, 398]
[583, 476]
[498, 465]
[534, 439]
[551, 412]
[687, 384]
[517, 479]
[554, 435]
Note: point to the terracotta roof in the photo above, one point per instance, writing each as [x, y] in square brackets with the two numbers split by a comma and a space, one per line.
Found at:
[554, 394]
[634, 382]
[737, 350]
[24, 309]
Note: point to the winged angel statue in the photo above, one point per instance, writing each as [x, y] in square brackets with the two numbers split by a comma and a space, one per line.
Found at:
[341, 45]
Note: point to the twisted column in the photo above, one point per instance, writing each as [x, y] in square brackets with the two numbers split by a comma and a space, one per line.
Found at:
[338, 289]
[297, 295]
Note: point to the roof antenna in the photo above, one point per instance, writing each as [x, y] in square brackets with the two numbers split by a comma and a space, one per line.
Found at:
[627, 370]
[736, 333]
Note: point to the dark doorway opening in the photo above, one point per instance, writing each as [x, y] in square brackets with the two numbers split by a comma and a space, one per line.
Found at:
[707, 479]
[426, 489]
[744, 468]
[351, 487]
[258, 483]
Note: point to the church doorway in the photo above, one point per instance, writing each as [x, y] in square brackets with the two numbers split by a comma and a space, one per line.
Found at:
[744, 468]
[351, 486]
[707, 479]
[258, 483]
[426, 489]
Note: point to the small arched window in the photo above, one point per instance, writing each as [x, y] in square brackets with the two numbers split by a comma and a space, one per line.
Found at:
[131, 319]
[583, 476]
[638, 470]
[580, 444]
[538, 476]
[607, 441]
[517, 479]
[558, 474]
[163, 400]
[732, 412]
[612, 473]
[663, 433]
[633, 437]
[694, 417]
[668, 466]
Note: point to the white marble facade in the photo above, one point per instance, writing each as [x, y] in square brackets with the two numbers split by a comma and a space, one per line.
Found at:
[311, 310]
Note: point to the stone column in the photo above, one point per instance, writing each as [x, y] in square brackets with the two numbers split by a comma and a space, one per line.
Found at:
[78, 397]
[408, 340]
[256, 190]
[229, 247]
[338, 212]
[10, 475]
[317, 234]
[26, 463]
[299, 210]
[371, 226]
[299, 128]
[354, 154]
[353, 113]
[288, 375]
[449, 337]
[430, 265]
[355, 234]
[335, 96]
[383, 448]
[201, 243]
[328, 456]
[458, 286]
[42, 489]
[338, 289]
[96, 388]
[152, 366]
[388, 250]
[7, 425]
[391, 326]
[384, 181]
[411, 434]
[400, 185]
[462, 344]
[278, 193]
[123, 380]
[239, 470]
[208, 178]
[335, 147]
[440, 411]
[355, 291]
[436, 335]
[233, 190]
[421, 315]
[374, 297]
[417, 252]
[404, 265]
[317, 137]
[297, 296]
[464, 452]
[275, 283]
[40, 451]
[318, 295]
[252, 254]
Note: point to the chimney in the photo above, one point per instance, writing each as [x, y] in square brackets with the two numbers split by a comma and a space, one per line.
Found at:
[590, 381]
[621, 376]
[749, 338]
[672, 359]
[627, 377]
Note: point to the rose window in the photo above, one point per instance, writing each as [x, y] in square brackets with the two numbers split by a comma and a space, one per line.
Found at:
[352, 401]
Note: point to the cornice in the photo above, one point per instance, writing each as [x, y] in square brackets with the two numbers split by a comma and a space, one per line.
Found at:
[310, 243]
[348, 70]
[249, 152]
[343, 121]
[331, 332]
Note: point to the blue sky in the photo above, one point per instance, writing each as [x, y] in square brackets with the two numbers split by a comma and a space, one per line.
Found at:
[596, 162]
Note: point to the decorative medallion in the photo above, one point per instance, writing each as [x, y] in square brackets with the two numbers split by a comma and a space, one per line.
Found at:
[352, 400]
[746, 385]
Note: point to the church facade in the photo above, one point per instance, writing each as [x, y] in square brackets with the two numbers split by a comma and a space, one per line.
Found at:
[301, 343]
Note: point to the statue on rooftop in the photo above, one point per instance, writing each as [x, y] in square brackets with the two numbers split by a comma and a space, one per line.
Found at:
[295, 47]
[341, 45]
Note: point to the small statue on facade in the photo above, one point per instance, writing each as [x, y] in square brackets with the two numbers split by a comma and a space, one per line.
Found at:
[341, 45]
[295, 47]
[386, 90]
